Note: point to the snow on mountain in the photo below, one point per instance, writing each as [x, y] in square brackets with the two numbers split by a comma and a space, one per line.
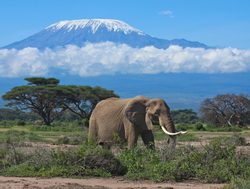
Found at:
[78, 32]
[94, 25]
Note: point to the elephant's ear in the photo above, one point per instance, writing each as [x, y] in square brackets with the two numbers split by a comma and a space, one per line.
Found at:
[136, 112]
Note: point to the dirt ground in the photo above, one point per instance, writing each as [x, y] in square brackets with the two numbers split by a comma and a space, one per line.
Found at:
[94, 183]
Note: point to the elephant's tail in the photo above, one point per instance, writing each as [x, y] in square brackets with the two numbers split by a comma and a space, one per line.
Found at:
[93, 129]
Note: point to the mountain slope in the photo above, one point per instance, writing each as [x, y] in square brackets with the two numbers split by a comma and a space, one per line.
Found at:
[78, 32]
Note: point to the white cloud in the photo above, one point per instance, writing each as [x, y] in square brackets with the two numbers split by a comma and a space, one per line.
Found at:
[109, 58]
[167, 13]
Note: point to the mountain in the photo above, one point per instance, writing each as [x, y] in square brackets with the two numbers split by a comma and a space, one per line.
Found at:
[78, 32]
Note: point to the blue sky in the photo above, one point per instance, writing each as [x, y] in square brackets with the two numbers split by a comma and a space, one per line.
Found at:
[221, 23]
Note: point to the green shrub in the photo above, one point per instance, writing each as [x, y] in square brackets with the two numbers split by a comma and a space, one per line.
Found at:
[199, 127]
[21, 123]
[217, 162]
[235, 140]
[84, 161]
[238, 184]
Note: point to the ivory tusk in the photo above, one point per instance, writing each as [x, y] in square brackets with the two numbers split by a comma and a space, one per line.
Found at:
[172, 134]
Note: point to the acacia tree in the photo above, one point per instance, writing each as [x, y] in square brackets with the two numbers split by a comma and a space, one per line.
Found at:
[81, 100]
[41, 97]
[48, 99]
[226, 110]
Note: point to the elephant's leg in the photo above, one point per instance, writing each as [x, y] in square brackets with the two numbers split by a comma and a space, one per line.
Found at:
[132, 138]
[148, 138]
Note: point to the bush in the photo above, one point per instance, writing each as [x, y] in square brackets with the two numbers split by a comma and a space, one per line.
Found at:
[238, 184]
[216, 163]
[199, 127]
[21, 123]
[84, 161]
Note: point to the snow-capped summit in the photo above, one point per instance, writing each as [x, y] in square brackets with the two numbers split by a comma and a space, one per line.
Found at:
[94, 25]
[78, 32]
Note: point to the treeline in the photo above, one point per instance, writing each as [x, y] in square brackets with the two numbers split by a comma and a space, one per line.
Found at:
[47, 100]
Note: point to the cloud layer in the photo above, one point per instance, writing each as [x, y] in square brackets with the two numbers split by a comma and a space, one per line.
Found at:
[109, 58]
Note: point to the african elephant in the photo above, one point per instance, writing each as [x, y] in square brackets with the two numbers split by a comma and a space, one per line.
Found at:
[129, 118]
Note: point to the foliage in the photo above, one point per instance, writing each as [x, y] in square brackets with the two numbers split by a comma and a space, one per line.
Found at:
[63, 126]
[84, 161]
[73, 140]
[215, 163]
[12, 114]
[188, 137]
[81, 100]
[186, 116]
[42, 81]
[226, 110]
[238, 184]
[15, 136]
[42, 100]
[200, 127]
[235, 139]
[49, 100]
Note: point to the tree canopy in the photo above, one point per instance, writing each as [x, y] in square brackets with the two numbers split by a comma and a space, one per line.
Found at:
[42, 81]
[48, 99]
[226, 110]
[186, 116]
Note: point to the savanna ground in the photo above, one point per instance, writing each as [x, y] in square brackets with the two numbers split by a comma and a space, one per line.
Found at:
[57, 156]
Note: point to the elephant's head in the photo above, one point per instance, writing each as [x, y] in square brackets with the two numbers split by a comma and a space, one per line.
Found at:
[145, 112]
[157, 111]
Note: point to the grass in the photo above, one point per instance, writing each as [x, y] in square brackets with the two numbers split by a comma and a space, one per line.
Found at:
[238, 184]
[87, 160]
[19, 136]
[42, 133]
[215, 163]
[188, 137]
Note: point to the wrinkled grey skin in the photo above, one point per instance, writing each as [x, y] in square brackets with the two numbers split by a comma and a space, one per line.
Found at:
[126, 119]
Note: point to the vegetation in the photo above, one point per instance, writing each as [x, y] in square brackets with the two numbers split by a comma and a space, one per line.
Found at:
[215, 162]
[48, 99]
[226, 110]
[13, 114]
[61, 147]
[186, 116]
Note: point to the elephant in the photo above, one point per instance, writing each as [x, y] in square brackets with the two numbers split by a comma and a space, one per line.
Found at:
[129, 118]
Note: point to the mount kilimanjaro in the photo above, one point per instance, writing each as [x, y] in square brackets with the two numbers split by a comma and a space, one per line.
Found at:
[79, 32]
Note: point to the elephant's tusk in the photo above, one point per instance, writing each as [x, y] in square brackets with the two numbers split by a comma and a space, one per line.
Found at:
[183, 132]
[172, 134]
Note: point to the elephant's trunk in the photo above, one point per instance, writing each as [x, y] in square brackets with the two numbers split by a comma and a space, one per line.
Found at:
[167, 125]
